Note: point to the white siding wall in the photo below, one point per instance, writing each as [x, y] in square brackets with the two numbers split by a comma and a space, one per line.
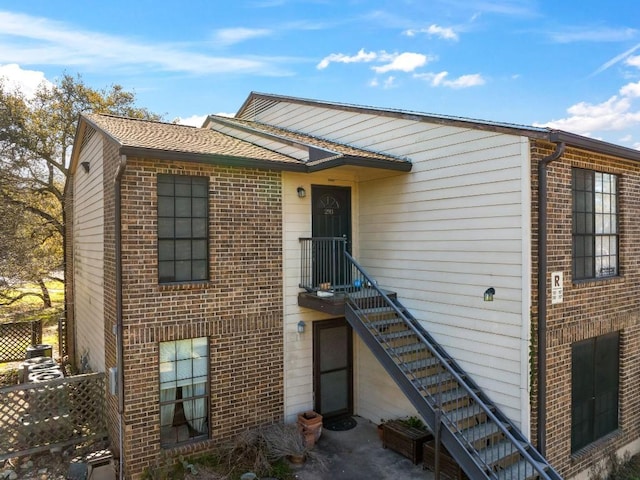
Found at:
[375, 394]
[440, 235]
[88, 243]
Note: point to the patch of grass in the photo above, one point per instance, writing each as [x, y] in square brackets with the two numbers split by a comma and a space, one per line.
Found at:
[31, 308]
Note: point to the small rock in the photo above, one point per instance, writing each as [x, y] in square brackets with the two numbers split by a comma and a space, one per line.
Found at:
[12, 475]
[43, 471]
[27, 465]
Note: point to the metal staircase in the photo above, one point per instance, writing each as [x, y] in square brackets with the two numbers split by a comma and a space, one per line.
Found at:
[472, 429]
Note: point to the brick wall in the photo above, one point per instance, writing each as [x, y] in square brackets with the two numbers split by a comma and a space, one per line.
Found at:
[240, 309]
[110, 164]
[589, 308]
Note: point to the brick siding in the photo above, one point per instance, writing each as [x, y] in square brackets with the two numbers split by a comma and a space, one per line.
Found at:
[240, 309]
[589, 308]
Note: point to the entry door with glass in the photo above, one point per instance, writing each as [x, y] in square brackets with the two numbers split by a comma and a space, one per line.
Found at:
[330, 218]
[333, 367]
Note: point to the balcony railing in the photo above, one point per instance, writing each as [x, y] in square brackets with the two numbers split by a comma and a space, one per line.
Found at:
[323, 265]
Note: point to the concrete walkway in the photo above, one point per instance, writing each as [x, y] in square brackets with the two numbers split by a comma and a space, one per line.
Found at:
[357, 454]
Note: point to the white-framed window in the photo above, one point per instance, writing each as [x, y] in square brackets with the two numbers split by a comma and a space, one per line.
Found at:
[184, 392]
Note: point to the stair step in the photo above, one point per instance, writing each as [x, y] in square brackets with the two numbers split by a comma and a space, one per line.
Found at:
[482, 435]
[467, 416]
[386, 323]
[376, 311]
[412, 348]
[435, 380]
[402, 334]
[452, 399]
[425, 363]
[521, 470]
[500, 455]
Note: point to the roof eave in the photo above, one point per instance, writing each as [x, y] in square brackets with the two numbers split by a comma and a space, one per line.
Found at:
[599, 146]
[359, 162]
[210, 158]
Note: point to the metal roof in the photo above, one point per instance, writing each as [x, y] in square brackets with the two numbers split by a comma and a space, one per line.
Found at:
[257, 102]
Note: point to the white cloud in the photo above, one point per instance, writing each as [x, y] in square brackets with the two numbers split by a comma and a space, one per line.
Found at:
[633, 61]
[593, 34]
[463, 81]
[446, 33]
[25, 81]
[631, 90]
[193, 120]
[198, 120]
[616, 59]
[26, 40]
[614, 114]
[390, 82]
[229, 36]
[404, 62]
[361, 56]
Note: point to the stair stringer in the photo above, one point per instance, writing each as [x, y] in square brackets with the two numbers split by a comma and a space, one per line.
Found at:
[533, 464]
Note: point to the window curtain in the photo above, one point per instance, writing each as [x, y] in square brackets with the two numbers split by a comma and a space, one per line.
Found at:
[195, 411]
[192, 375]
[167, 411]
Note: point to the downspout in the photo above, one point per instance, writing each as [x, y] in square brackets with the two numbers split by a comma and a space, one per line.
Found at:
[119, 329]
[542, 294]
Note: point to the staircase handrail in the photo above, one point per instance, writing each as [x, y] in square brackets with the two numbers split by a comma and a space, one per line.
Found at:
[463, 383]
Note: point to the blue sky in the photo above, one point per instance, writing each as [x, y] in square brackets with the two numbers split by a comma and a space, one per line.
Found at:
[570, 64]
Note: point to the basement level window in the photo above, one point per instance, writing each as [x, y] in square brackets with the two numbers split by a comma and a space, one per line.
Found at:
[595, 224]
[183, 228]
[184, 397]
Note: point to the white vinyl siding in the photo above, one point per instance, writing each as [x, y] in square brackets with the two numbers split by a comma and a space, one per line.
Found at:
[88, 244]
[457, 224]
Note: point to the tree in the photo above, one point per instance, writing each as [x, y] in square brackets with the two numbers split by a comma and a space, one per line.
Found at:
[36, 137]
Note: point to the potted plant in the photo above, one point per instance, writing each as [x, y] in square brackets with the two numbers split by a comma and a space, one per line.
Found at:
[310, 424]
[406, 436]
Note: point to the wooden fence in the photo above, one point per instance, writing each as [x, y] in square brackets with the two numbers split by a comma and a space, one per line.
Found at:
[16, 337]
[36, 417]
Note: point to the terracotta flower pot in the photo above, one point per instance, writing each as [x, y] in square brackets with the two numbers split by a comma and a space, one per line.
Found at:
[310, 424]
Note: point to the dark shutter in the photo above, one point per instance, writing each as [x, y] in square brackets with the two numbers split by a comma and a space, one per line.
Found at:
[594, 389]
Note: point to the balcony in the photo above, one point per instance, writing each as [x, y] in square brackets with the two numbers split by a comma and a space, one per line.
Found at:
[327, 277]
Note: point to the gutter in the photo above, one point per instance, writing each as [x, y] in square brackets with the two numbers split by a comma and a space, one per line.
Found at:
[542, 294]
[119, 328]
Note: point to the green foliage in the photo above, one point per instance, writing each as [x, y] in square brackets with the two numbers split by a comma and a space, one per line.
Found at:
[36, 138]
[413, 422]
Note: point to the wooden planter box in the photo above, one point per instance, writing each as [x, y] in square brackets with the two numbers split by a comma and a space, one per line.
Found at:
[404, 440]
[449, 468]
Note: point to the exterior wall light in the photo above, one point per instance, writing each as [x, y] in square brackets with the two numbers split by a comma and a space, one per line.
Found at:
[302, 192]
[301, 326]
[86, 166]
[489, 293]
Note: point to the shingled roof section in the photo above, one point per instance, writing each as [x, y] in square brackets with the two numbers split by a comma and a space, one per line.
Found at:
[145, 136]
[304, 139]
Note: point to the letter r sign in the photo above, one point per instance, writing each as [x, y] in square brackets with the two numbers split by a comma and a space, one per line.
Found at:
[556, 287]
